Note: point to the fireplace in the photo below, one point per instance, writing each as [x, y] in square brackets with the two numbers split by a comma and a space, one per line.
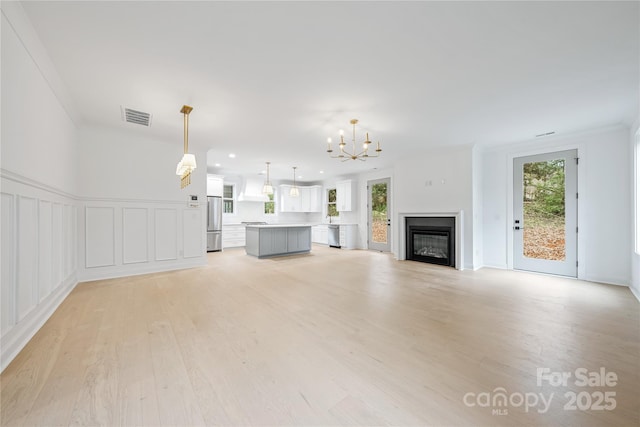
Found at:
[431, 240]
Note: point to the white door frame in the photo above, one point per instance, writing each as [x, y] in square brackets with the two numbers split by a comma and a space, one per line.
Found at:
[582, 200]
[382, 247]
[567, 267]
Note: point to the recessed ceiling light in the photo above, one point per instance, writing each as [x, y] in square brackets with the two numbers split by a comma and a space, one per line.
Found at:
[299, 176]
[232, 156]
[217, 165]
[321, 171]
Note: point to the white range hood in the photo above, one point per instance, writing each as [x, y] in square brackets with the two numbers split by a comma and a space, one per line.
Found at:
[252, 191]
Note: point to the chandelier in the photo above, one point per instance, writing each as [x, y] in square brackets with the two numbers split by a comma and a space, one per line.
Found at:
[188, 162]
[354, 154]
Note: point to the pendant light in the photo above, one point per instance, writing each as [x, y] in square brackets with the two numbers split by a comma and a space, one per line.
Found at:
[294, 192]
[267, 188]
[188, 162]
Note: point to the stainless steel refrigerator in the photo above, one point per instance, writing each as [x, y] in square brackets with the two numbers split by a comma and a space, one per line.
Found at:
[214, 223]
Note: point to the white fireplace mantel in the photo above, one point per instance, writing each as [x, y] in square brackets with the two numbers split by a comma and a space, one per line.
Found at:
[402, 233]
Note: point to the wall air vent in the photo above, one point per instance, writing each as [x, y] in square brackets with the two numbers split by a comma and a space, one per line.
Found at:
[134, 116]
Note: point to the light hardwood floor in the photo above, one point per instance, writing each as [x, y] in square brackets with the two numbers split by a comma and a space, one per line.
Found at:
[331, 338]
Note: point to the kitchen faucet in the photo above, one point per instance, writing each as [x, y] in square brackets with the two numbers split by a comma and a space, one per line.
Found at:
[329, 216]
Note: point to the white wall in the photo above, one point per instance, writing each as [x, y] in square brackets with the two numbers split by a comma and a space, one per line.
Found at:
[603, 207]
[39, 209]
[134, 216]
[495, 211]
[634, 136]
[477, 203]
[437, 181]
[38, 136]
[128, 164]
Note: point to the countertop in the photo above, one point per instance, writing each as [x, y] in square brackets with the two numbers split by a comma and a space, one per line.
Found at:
[287, 225]
[279, 225]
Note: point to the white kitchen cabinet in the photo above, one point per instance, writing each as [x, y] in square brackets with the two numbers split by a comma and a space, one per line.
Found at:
[344, 196]
[288, 203]
[315, 198]
[320, 234]
[348, 236]
[307, 201]
[215, 185]
[233, 236]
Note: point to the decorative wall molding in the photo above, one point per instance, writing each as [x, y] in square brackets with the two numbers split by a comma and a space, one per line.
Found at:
[15, 339]
[161, 236]
[39, 258]
[100, 236]
[166, 233]
[20, 179]
[135, 235]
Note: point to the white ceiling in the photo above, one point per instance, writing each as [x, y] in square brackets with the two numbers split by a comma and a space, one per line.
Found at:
[271, 81]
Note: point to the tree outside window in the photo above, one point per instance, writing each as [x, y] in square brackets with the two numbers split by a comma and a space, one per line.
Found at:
[270, 206]
[332, 210]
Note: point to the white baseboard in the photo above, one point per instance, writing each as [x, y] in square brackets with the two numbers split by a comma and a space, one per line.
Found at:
[102, 273]
[17, 337]
[635, 292]
[606, 280]
[497, 266]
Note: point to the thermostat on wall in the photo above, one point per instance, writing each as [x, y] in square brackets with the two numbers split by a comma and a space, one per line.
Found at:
[193, 201]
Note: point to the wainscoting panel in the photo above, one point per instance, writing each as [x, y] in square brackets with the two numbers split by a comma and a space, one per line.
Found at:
[57, 244]
[69, 243]
[45, 249]
[166, 234]
[148, 236]
[99, 236]
[7, 230]
[39, 241]
[135, 235]
[27, 255]
[192, 233]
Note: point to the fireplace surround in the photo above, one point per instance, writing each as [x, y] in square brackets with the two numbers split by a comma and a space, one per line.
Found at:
[431, 240]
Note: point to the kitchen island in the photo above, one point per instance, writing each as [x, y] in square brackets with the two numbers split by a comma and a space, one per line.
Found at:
[278, 239]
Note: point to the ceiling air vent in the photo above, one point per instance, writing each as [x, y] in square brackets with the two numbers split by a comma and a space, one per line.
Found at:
[134, 116]
[545, 134]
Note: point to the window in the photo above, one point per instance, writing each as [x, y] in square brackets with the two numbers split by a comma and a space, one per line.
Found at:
[228, 198]
[270, 206]
[331, 203]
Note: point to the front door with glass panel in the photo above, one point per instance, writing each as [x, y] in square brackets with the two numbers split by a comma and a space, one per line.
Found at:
[545, 213]
[379, 221]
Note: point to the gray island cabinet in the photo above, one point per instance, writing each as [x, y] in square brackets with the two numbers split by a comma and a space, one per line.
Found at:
[278, 239]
